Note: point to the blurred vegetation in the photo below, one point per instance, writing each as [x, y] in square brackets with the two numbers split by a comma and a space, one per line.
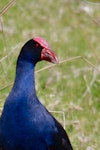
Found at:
[72, 28]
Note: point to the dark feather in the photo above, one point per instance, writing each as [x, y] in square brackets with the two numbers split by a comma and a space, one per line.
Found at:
[25, 124]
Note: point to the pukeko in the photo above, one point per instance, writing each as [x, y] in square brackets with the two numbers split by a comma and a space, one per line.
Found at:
[25, 124]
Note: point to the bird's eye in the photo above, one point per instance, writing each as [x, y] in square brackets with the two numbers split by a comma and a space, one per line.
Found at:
[36, 45]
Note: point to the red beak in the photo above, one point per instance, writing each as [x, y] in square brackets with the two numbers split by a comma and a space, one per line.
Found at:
[49, 55]
[46, 54]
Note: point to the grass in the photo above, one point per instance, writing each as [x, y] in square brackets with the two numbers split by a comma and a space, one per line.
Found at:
[72, 87]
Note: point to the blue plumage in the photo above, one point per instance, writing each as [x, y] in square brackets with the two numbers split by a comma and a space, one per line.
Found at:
[25, 124]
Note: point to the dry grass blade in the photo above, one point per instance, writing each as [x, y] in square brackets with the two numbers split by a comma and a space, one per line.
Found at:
[92, 65]
[96, 21]
[63, 115]
[13, 51]
[3, 11]
[6, 86]
[61, 62]
[88, 86]
[91, 6]
[70, 59]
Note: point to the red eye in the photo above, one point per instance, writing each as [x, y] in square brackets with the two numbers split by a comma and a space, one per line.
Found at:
[36, 45]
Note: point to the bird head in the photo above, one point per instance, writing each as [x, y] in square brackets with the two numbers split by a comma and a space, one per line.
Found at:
[46, 52]
[37, 49]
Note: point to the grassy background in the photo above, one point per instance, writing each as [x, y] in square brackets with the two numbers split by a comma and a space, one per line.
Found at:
[71, 89]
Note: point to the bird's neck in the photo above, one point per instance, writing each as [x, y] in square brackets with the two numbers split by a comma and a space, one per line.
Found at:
[24, 84]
